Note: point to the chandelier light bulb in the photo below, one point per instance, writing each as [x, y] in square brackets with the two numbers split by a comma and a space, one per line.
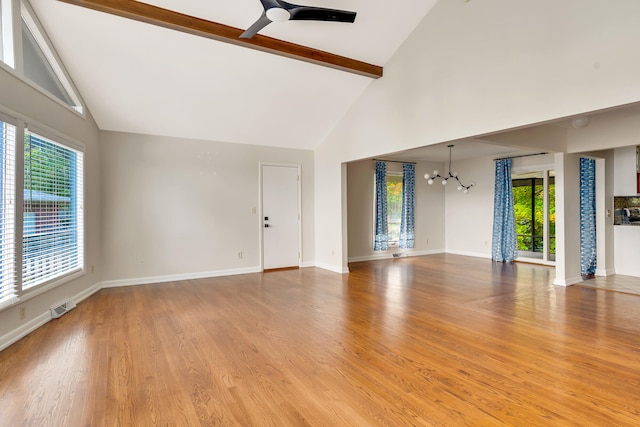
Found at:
[435, 172]
[427, 176]
[444, 182]
[430, 182]
[455, 174]
[466, 190]
[459, 187]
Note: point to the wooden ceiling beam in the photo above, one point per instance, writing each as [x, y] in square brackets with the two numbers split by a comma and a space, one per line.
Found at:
[150, 14]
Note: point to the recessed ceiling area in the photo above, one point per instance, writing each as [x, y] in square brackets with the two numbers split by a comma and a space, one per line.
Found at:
[462, 150]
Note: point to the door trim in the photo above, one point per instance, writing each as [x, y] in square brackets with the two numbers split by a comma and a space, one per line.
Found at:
[261, 214]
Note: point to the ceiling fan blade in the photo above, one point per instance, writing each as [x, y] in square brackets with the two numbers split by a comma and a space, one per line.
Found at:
[308, 13]
[268, 4]
[262, 22]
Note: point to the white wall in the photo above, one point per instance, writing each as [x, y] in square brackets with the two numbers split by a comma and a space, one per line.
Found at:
[624, 164]
[469, 217]
[21, 101]
[627, 250]
[473, 68]
[429, 211]
[617, 131]
[567, 219]
[184, 208]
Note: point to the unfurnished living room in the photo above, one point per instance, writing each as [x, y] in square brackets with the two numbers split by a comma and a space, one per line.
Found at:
[342, 213]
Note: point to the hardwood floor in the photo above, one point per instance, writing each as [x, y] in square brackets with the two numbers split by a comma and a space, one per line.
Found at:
[615, 282]
[436, 340]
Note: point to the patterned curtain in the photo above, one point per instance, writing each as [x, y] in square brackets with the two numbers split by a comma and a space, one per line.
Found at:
[505, 244]
[380, 243]
[587, 216]
[408, 191]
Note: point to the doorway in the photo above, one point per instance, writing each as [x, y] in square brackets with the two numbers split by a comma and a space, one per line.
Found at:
[280, 216]
[534, 206]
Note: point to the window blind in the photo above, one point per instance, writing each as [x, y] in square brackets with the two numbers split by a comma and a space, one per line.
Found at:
[53, 234]
[7, 212]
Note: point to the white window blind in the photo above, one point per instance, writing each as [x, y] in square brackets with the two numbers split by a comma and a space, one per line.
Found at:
[7, 212]
[53, 234]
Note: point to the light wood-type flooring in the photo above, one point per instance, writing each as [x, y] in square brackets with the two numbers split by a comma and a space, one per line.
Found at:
[439, 340]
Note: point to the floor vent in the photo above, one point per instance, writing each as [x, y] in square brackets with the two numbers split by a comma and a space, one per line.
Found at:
[400, 255]
[61, 309]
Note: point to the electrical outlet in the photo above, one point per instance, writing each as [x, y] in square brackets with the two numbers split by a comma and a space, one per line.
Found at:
[253, 211]
[240, 255]
[23, 312]
[93, 269]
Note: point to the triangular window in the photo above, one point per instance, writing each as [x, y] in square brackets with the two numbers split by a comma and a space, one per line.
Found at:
[41, 64]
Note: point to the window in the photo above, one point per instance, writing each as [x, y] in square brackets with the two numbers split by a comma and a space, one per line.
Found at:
[394, 207]
[50, 242]
[28, 46]
[7, 212]
[52, 238]
[40, 63]
[6, 33]
[534, 205]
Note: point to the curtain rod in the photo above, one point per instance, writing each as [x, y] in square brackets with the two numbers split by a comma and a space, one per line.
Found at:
[392, 161]
[524, 155]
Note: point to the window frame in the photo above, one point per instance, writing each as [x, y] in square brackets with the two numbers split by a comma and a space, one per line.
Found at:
[13, 297]
[24, 15]
[78, 174]
[546, 171]
[22, 123]
[394, 243]
[7, 23]
[392, 171]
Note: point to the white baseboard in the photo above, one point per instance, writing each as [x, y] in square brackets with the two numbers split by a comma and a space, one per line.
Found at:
[334, 268]
[466, 253]
[23, 330]
[26, 328]
[87, 293]
[605, 272]
[176, 277]
[389, 254]
[567, 282]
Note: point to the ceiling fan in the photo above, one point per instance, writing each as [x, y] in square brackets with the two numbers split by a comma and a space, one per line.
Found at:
[279, 11]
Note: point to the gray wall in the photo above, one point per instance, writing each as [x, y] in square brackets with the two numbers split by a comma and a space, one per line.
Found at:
[177, 207]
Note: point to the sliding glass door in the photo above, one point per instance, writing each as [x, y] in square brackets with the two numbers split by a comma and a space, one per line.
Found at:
[534, 204]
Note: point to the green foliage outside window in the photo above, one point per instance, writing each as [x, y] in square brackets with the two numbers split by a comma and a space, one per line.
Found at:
[528, 197]
[394, 206]
[46, 167]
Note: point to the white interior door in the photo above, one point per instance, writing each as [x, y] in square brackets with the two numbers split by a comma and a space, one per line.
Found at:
[280, 216]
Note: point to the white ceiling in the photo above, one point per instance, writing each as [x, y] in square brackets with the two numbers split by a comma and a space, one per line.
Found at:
[462, 150]
[139, 78]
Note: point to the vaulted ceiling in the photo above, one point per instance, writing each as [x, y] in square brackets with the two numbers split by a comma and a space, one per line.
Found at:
[142, 78]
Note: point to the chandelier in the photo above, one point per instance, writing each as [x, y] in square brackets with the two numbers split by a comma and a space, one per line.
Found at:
[445, 179]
